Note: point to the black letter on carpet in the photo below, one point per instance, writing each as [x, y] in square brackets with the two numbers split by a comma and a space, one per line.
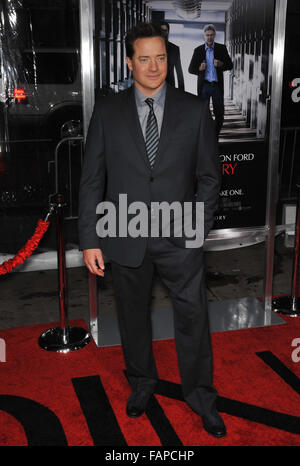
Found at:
[284, 372]
[239, 409]
[41, 426]
[161, 424]
[98, 412]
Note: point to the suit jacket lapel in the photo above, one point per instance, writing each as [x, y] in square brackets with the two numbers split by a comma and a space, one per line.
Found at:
[132, 120]
[167, 127]
[218, 52]
[202, 53]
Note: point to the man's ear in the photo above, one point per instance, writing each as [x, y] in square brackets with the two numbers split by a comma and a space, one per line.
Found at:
[129, 63]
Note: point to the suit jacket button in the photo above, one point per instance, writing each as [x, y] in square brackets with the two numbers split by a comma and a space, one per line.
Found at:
[151, 178]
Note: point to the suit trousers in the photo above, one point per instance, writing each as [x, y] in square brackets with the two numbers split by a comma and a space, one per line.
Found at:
[182, 272]
[213, 91]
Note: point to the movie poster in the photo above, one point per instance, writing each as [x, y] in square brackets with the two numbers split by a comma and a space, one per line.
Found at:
[237, 82]
[289, 162]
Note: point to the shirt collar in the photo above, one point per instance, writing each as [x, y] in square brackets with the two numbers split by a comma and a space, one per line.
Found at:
[159, 97]
[207, 47]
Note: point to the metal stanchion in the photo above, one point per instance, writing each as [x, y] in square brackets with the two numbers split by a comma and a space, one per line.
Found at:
[93, 305]
[64, 338]
[290, 305]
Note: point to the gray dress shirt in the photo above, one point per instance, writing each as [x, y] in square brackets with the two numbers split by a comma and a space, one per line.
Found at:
[143, 108]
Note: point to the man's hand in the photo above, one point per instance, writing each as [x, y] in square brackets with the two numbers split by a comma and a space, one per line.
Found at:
[93, 260]
[218, 63]
[202, 67]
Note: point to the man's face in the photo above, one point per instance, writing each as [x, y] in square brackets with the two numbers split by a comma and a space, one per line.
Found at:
[148, 64]
[209, 37]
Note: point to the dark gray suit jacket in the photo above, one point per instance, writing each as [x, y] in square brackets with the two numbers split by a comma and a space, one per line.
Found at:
[115, 162]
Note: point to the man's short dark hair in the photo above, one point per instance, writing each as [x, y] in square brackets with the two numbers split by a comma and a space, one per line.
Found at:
[165, 23]
[141, 31]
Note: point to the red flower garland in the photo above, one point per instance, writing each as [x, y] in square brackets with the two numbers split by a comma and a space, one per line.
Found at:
[27, 249]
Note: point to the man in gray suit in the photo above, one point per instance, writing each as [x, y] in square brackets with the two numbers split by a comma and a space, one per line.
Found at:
[154, 143]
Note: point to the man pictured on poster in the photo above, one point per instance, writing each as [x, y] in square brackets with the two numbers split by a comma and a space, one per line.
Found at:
[209, 61]
[141, 143]
[174, 62]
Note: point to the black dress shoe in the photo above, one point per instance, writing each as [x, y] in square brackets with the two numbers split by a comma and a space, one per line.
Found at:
[214, 425]
[137, 403]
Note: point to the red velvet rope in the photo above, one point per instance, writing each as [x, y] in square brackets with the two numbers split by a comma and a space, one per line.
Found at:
[27, 249]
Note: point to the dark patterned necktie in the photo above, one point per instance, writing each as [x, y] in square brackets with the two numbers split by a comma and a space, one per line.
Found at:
[152, 137]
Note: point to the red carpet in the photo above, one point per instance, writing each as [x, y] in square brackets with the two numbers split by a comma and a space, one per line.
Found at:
[79, 398]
